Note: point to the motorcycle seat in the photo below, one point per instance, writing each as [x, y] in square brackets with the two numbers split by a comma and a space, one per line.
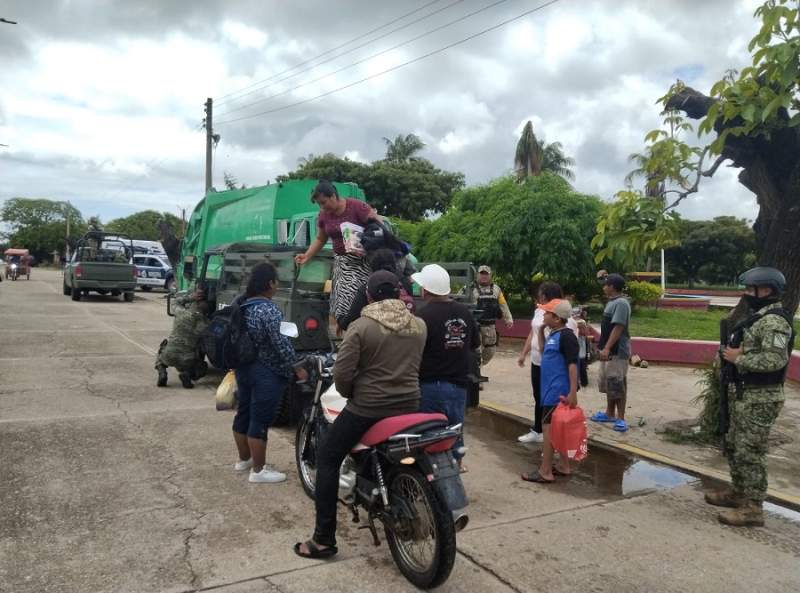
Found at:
[383, 429]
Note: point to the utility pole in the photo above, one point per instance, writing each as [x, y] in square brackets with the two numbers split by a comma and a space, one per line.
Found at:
[211, 140]
[66, 241]
[183, 222]
[209, 132]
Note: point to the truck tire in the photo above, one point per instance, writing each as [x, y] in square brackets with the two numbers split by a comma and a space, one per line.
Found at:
[76, 293]
[66, 289]
[128, 296]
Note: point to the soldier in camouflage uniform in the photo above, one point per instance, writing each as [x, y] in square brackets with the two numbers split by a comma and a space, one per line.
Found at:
[182, 349]
[766, 339]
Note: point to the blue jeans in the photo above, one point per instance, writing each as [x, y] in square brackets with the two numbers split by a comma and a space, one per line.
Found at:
[260, 391]
[448, 399]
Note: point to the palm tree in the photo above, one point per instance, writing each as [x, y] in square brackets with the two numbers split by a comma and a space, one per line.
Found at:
[528, 157]
[534, 156]
[555, 161]
[403, 148]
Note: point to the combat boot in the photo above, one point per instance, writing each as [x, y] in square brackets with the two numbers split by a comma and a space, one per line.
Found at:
[748, 515]
[162, 376]
[726, 498]
[186, 380]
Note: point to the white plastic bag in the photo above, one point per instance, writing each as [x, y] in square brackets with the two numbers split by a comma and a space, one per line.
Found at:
[351, 234]
[226, 392]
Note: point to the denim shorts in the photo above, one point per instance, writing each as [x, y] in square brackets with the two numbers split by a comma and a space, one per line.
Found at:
[260, 391]
[448, 399]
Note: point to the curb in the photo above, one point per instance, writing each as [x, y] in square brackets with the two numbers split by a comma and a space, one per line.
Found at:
[774, 496]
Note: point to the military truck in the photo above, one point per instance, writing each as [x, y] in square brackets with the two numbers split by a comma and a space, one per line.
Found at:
[102, 263]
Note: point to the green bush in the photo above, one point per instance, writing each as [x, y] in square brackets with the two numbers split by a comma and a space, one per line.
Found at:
[643, 293]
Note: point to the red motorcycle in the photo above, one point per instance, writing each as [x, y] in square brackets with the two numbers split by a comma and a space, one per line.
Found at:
[402, 473]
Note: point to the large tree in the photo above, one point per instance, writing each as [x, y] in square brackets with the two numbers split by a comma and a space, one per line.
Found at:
[410, 188]
[144, 225]
[539, 226]
[754, 116]
[533, 155]
[40, 225]
[714, 251]
[403, 148]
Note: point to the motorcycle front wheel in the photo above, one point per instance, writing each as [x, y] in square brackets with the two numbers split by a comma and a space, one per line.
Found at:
[423, 545]
[305, 446]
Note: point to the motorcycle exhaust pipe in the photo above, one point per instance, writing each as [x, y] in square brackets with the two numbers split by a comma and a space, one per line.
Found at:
[460, 519]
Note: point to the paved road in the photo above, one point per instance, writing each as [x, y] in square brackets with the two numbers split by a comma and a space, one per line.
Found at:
[110, 484]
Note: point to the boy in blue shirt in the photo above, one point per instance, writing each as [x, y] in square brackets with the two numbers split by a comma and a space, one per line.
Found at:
[559, 379]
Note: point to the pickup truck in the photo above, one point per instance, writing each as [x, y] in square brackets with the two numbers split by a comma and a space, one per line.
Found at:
[101, 263]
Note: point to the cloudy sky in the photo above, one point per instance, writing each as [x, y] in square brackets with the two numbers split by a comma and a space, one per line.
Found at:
[101, 101]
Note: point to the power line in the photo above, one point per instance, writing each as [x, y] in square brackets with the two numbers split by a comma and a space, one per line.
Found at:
[222, 100]
[397, 67]
[349, 51]
[373, 56]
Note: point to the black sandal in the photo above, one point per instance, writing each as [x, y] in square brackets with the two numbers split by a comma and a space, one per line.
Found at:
[314, 552]
[558, 472]
[535, 476]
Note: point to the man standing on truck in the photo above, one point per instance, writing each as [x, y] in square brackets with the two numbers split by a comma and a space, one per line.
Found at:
[181, 349]
[492, 302]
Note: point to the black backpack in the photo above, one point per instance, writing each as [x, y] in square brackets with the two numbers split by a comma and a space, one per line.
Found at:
[227, 341]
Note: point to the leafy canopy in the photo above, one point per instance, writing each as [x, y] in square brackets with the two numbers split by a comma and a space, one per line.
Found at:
[411, 188]
[541, 225]
[144, 225]
[40, 225]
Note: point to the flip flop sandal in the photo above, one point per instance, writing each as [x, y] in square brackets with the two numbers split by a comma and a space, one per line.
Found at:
[314, 552]
[620, 426]
[558, 472]
[535, 476]
[602, 417]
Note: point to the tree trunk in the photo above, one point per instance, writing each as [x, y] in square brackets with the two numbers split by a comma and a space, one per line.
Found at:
[771, 170]
[171, 243]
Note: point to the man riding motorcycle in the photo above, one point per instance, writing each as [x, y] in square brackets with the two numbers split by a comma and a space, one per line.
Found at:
[377, 370]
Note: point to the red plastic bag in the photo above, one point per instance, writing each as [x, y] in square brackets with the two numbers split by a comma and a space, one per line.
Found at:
[568, 432]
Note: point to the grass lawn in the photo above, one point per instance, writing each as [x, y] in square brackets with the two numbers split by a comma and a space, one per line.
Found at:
[679, 324]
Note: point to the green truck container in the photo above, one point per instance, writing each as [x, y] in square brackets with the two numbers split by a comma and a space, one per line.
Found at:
[279, 214]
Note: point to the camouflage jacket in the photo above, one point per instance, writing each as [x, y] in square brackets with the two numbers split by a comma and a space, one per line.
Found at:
[765, 348]
[187, 328]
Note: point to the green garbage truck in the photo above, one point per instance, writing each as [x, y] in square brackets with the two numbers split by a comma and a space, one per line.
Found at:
[230, 232]
[280, 214]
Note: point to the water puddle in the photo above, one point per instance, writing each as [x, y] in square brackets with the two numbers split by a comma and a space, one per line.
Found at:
[789, 514]
[604, 471]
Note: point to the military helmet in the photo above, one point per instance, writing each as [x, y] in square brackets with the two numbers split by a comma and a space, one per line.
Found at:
[764, 276]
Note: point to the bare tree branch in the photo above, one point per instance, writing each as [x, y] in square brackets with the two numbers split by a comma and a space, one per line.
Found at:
[710, 172]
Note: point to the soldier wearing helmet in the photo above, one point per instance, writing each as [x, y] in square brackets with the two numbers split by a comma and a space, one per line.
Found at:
[760, 346]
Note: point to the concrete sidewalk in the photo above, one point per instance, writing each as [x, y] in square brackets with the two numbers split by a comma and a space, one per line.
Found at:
[657, 395]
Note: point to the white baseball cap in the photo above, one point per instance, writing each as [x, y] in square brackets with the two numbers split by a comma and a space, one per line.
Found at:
[434, 279]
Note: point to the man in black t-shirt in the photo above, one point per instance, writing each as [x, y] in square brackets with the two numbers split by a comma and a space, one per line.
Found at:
[452, 335]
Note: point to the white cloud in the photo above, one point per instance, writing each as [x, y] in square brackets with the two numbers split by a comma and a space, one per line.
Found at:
[105, 107]
[243, 36]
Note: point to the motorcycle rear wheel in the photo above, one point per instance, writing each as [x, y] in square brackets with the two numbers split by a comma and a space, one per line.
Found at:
[423, 548]
[305, 468]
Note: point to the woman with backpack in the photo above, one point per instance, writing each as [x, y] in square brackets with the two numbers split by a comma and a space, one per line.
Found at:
[262, 383]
